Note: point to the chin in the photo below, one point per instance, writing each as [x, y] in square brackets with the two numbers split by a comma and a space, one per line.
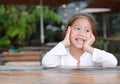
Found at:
[79, 46]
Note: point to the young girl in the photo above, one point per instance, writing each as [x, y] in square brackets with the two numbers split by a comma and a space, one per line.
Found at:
[76, 49]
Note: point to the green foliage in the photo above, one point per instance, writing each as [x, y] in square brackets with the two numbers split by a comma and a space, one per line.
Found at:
[99, 43]
[4, 41]
[19, 22]
[50, 16]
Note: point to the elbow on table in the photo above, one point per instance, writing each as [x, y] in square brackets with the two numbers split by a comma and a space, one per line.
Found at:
[111, 64]
[114, 64]
[47, 63]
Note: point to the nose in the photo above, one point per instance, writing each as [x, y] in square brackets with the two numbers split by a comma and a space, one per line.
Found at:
[81, 32]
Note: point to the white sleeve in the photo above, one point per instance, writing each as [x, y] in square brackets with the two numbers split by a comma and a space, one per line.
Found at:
[104, 58]
[53, 57]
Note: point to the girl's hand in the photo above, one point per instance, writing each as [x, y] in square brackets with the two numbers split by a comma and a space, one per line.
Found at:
[88, 44]
[66, 41]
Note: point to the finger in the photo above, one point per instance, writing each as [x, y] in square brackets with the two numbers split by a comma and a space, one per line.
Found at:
[69, 29]
[66, 40]
[92, 38]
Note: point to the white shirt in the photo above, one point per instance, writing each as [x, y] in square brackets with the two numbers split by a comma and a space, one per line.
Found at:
[60, 56]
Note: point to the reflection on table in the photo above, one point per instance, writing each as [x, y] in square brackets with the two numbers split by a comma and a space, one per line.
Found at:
[58, 75]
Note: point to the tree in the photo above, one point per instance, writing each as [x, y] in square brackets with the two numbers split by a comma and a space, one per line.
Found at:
[19, 22]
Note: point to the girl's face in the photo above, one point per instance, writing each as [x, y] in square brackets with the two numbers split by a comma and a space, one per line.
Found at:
[80, 32]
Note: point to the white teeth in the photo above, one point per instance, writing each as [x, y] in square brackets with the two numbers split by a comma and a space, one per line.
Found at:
[80, 41]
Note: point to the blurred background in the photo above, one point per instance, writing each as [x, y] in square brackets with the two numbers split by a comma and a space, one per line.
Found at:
[38, 25]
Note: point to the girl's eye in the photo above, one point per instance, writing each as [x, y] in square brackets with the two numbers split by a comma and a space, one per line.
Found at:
[87, 30]
[77, 28]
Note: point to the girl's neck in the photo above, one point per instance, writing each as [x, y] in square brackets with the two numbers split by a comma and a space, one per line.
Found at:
[76, 53]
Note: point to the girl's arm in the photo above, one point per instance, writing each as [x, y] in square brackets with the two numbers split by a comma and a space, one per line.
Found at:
[101, 57]
[104, 58]
[53, 57]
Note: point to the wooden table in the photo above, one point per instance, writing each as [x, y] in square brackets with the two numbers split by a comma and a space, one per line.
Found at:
[41, 75]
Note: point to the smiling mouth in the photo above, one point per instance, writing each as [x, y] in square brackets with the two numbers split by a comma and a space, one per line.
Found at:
[79, 40]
